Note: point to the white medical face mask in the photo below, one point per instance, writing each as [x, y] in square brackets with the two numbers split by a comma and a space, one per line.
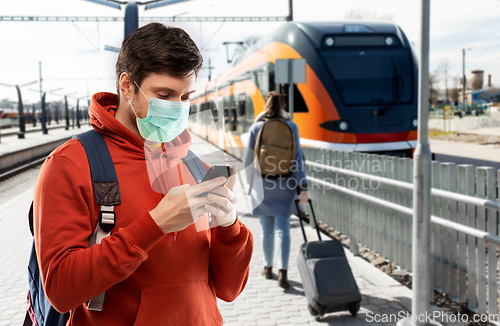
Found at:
[165, 119]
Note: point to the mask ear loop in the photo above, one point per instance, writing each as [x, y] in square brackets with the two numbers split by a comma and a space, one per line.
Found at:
[141, 90]
[131, 102]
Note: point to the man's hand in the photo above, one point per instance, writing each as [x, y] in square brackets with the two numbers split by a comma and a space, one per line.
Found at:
[222, 202]
[181, 207]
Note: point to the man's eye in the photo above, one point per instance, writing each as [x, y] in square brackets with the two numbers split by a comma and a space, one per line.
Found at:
[163, 95]
[184, 99]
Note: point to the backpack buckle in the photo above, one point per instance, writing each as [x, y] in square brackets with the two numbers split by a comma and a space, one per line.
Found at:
[107, 218]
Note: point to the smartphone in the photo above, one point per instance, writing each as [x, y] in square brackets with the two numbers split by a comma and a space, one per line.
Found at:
[215, 172]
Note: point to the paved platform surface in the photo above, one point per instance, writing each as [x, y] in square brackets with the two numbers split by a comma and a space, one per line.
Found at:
[13, 131]
[262, 302]
[483, 154]
[481, 131]
[477, 152]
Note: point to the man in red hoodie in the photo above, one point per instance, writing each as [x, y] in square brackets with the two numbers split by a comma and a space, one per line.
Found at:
[155, 268]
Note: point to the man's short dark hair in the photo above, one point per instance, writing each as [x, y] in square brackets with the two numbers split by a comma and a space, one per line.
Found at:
[156, 48]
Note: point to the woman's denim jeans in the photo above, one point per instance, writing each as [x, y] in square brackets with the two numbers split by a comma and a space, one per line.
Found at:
[282, 226]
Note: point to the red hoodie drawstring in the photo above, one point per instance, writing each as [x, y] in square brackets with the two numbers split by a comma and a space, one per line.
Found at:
[180, 177]
[180, 174]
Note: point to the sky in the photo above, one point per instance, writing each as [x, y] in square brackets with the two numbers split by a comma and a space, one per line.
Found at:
[74, 62]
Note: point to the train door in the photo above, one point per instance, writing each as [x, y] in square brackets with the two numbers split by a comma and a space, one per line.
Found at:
[272, 84]
[219, 100]
[232, 110]
[242, 113]
[215, 112]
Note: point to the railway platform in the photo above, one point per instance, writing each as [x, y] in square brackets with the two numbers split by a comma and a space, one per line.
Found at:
[263, 302]
[14, 151]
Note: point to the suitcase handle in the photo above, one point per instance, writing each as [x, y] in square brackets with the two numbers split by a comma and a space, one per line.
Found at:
[302, 224]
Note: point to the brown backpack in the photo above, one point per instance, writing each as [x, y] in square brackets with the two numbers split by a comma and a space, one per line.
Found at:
[275, 148]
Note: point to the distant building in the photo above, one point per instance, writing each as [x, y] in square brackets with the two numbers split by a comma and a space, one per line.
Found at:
[477, 80]
[476, 93]
[7, 104]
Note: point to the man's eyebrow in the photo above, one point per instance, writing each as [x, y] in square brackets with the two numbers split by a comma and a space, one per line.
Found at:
[170, 90]
[161, 88]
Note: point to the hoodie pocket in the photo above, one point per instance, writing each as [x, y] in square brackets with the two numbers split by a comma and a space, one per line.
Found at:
[178, 304]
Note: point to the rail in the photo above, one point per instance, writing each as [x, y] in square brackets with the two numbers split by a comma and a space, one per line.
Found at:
[369, 198]
[437, 192]
[434, 219]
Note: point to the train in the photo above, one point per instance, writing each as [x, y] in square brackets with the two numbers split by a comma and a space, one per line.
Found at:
[8, 114]
[360, 92]
[10, 117]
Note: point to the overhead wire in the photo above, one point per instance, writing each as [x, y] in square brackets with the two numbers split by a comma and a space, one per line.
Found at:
[414, 31]
[85, 36]
[466, 16]
[49, 36]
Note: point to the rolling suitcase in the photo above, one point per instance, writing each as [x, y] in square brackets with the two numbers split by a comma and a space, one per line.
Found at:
[326, 276]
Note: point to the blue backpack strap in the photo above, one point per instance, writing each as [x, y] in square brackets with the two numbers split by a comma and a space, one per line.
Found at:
[40, 306]
[106, 187]
[195, 166]
[107, 191]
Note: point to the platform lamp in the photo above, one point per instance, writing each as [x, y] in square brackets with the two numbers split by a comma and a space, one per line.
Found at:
[132, 10]
[57, 109]
[20, 109]
[45, 131]
[66, 111]
[78, 109]
[34, 114]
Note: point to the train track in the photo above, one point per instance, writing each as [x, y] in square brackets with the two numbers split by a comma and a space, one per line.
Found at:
[17, 161]
[12, 172]
[8, 132]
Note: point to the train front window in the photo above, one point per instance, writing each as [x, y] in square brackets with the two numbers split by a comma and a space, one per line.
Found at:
[371, 76]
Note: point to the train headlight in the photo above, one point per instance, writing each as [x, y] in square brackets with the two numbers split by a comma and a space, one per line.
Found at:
[415, 123]
[343, 126]
[329, 41]
[389, 41]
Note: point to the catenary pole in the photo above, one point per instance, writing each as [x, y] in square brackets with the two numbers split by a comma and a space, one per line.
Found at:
[422, 182]
[291, 82]
[421, 243]
[131, 18]
[464, 82]
[40, 73]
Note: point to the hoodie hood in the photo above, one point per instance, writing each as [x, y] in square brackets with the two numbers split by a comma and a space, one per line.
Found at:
[102, 112]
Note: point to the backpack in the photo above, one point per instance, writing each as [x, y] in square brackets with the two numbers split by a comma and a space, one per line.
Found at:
[107, 191]
[275, 148]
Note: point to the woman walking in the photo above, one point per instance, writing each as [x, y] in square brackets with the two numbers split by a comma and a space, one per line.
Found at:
[279, 191]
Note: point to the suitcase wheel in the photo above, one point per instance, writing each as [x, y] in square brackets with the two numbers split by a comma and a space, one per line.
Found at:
[354, 308]
[317, 313]
[312, 311]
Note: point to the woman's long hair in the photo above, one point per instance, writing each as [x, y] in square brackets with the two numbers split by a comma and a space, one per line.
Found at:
[274, 103]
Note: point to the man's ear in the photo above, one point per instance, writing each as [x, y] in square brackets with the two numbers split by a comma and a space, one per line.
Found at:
[126, 85]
